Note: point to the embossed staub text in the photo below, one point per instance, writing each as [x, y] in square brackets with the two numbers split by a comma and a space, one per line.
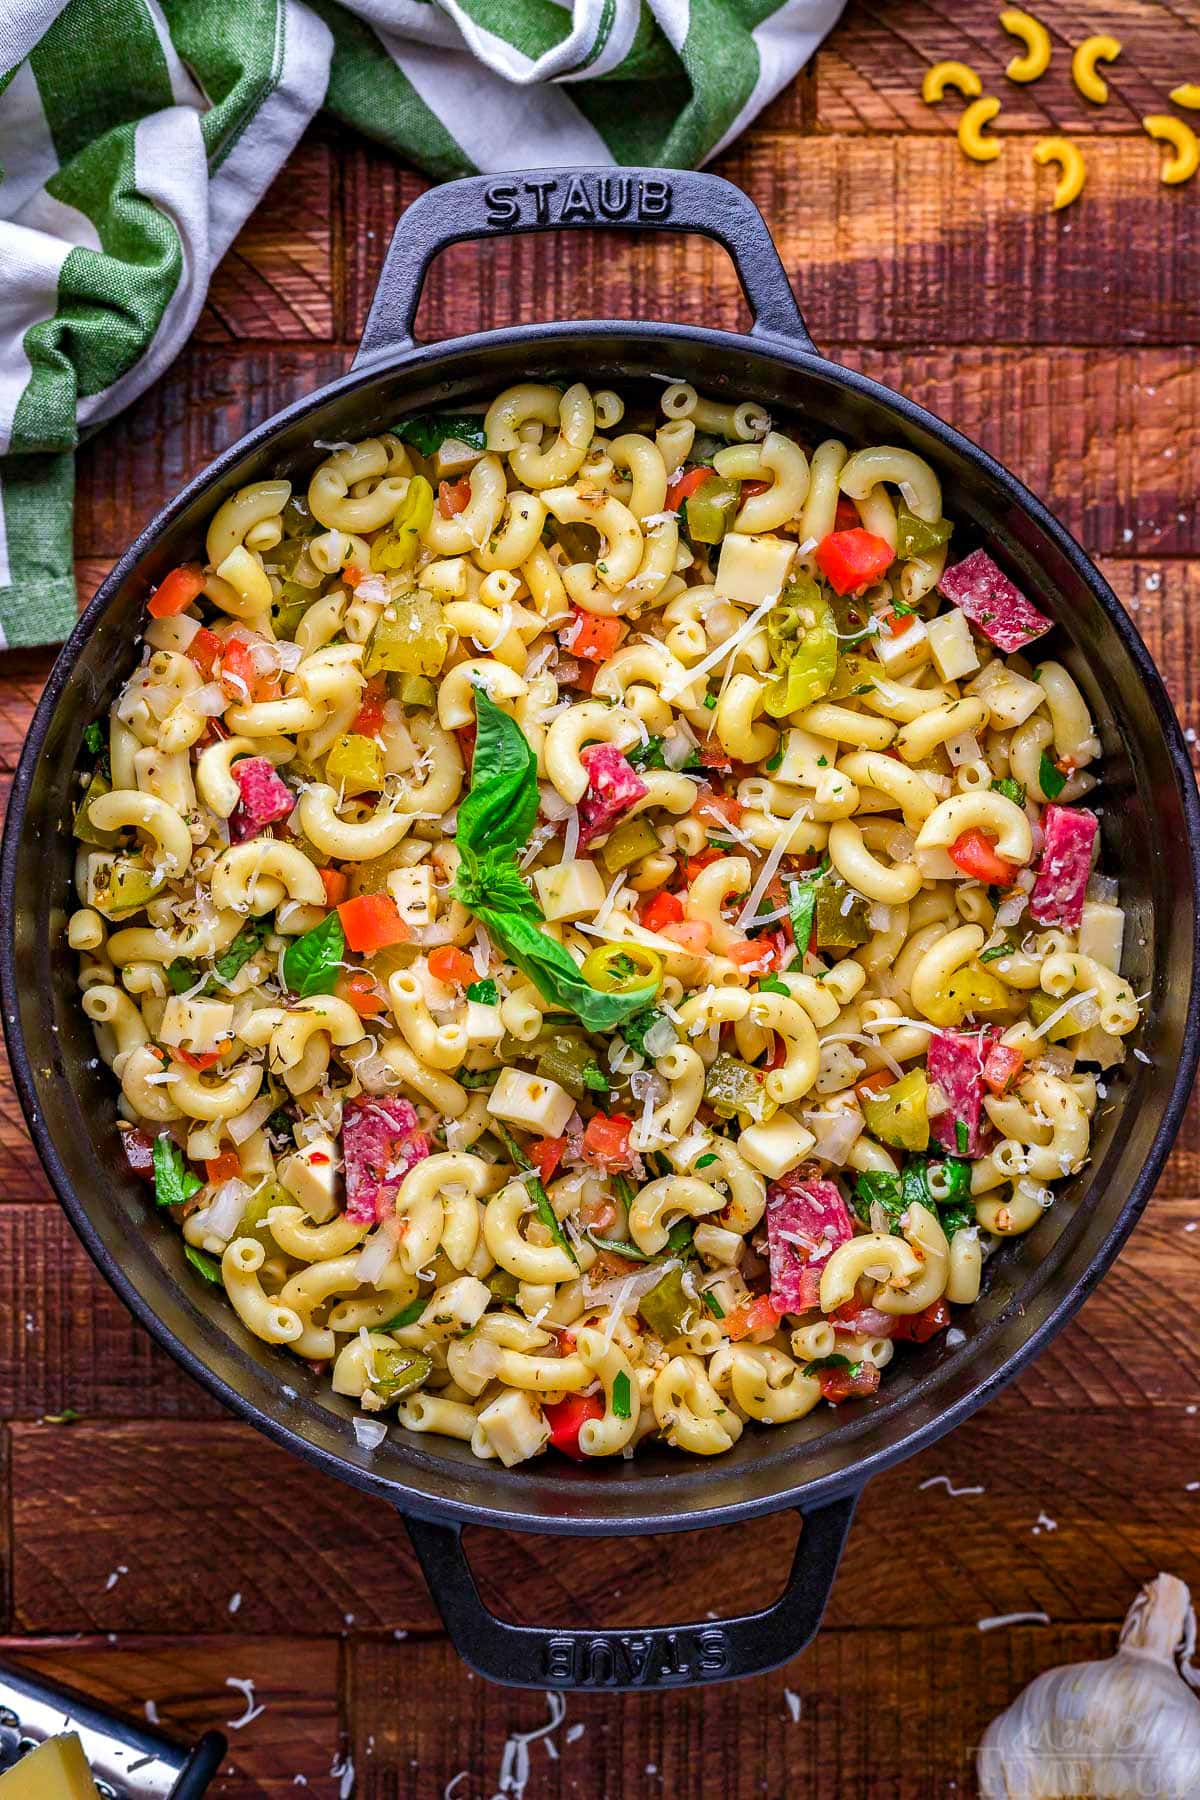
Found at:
[621, 1659]
[577, 199]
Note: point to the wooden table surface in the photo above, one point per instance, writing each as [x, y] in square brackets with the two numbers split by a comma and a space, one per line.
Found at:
[157, 1547]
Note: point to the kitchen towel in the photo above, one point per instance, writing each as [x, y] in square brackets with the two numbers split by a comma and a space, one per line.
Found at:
[137, 135]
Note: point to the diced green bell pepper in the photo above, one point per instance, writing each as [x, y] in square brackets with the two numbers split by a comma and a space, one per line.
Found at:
[900, 1115]
[85, 831]
[122, 886]
[410, 638]
[412, 690]
[666, 1307]
[398, 545]
[733, 1087]
[398, 1371]
[917, 537]
[803, 639]
[1040, 1008]
[710, 511]
[842, 916]
[628, 843]
[566, 1059]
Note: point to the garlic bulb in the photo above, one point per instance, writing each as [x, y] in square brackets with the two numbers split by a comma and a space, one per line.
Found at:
[1128, 1727]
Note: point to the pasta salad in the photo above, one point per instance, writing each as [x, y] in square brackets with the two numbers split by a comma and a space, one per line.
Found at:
[591, 913]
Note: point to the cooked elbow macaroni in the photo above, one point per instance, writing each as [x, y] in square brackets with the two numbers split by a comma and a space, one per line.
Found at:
[409, 1160]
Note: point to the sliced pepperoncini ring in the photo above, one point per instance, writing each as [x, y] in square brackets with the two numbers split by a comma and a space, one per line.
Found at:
[622, 968]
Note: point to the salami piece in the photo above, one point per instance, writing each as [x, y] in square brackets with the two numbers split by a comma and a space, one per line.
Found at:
[991, 601]
[613, 787]
[1057, 897]
[806, 1221]
[955, 1065]
[381, 1143]
[265, 798]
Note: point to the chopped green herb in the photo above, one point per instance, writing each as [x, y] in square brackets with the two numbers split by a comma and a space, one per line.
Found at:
[208, 1266]
[486, 992]
[279, 1122]
[634, 1030]
[710, 701]
[595, 1078]
[702, 1162]
[1012, 790]
[182, 975]
[478, 1078]
[831, 1362]
[622, 1403]
[174, 1182]
[630, 1252]
[93, 737]
[408, 1315]
[679, 1238]
[962, 1136]
[1051, 779]
[248, 940]
[713, 1304]
[1007, 948]
[774, 762]
[822, 762]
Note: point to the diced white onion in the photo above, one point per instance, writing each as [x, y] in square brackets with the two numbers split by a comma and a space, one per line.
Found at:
[836, 1133]
[247, 1123]
[370, 1432]
[963, 747]
[571, 836]
[660, 1038]
[290, 655]
[880, 916]
[225, 1210]
[676, 750]
[1103, 889]
[210, 700]
[374, 1257]
[1009, 911]
[374, 590]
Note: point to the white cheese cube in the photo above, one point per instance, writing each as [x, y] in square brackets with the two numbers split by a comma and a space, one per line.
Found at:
[570, 890]
[1102, 932]
[527, 1100]
[779, 1145]
[800, 752]
[719, 1248]
[414, 893]
[484, 1024]
[752, 569]
[174, 633]
[198, 1025]
[514, 1427]
[936, 865]
[900, 655]
[310, 1177]
[1009, 697]
[951, 645]
[455, 1308]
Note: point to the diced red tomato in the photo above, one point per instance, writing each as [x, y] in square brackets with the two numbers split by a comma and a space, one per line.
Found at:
[226, 1167]
[872, 1085]
[176, 591]
[363, 994]
[372, 922]
[851, 560]
[759, 1314]
[545, 1154]
[713, 757]
[975, 854]
[700, 861]
[606, 1140]
[691, 935]
[369, 716]
[454, 497]
[590, 637]
[898, 623]
[864, 1321]
[918, 1328]
[664, 909]
[1001, 1067]
[336, 884]
[238, 675]
[846, 518]
[717, 810]
[566, 1418]
[352, 575]
[684, 485]
[204, 1059]
[752, 954]
[204, 650]
[847, 1384]
[453, 966]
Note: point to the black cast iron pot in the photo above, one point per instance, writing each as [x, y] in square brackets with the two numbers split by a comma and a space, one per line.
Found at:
[1151, 836]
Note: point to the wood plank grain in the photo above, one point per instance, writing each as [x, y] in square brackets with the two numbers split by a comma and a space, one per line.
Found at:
[274, 281]
[889, 240]
[868, 73]
[871, 1714]
[234, 1491]
[1109, 438]
[295, 1678]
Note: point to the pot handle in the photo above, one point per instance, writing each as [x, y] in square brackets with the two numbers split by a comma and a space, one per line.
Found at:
[540, 1656]
[486, 206]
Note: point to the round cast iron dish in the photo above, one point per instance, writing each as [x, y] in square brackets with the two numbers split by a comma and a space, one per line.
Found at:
[1151, 832]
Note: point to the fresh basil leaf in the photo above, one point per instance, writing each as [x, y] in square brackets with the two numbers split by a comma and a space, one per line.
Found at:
[621, 1397]
[312, 963]
[957, 1218]
[279, 1123]
[182, 975]
[248, 940]
[408, 1315]
[595, 1078]
[555, 975]
[1051, 779]
[769, 985]
[648, 755]
[876, 1186]
[427, 432]
[630, 1252]
[485, 992]
[208, 1266]
[93, 737]
[835, 1361]
[679, 1238]
[1008, 948]
[498, 882]
[497, 815]
[713, 1304]
[802, 906]
[634, 1030]
[174, 1182]
[478, 1078]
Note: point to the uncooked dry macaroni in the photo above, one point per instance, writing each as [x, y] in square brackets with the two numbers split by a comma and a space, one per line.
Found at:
[597, 935]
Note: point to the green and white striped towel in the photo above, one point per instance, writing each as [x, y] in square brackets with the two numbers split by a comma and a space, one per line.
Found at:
[136, 136]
